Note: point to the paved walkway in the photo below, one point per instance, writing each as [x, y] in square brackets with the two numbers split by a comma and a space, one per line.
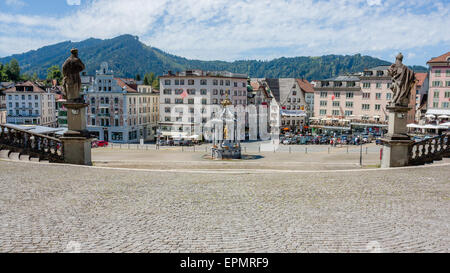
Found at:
[61, 208]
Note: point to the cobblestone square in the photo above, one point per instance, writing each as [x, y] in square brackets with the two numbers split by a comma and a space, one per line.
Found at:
[60, 208]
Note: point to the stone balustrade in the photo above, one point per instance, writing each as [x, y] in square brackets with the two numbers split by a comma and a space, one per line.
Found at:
[32, 144]
[429, 150]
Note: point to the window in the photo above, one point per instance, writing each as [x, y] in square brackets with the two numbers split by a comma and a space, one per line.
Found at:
[377, 107]
[436, 94]
[177, 82]
[203, 82]
[445, 104]
[447, 94]
[366, 95]
[323, 103]
[167, 101]
[365, 107]
[447, 83]
[191, 91]
[204, 101]
[435, 104]
[235, 84]
[335, 113]
[215, 82]
[323, 112]
[166, 82]
[436, 84]
[191, 82]
[323, 94]
[437, 73]
[337, 84]
[336, 103]
[378, 96]
[203, 91]
[116, 100]
[178, 101]
[378, 86]
[167, 91]
[366, 85]
[190, 101]
[215, 92]
[167, 109]
[349, 95]
[348, 113]
[337, 95]
[166, 118]
[351, 84]
[93, 110]
[349, 104]
[388, 96]
[227, 82]
[93, 122]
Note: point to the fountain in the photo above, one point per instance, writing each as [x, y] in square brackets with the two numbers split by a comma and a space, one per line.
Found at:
[226, 147]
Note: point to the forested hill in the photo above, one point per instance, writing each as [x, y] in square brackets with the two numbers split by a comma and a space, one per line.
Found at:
[127, 56]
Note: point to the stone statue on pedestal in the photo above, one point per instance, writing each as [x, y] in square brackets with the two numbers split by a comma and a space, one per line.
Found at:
[76, 141]
[72, 82]
[403, 82]
[396, 142]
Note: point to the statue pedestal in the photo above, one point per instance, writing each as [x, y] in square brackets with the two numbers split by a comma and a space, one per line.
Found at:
[77, 144]
[396, 142]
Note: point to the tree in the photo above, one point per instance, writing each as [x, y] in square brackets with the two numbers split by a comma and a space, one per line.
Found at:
[138, 77]
[54, 73]
[12, 70]
[152, 80]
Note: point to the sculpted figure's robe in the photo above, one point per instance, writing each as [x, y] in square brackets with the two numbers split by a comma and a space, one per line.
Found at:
[403, 80]
[72, 80]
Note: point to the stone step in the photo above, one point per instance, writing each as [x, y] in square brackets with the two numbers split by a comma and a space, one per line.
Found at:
[4, 154]
[24, 158]
[14, 156]
[34, 159]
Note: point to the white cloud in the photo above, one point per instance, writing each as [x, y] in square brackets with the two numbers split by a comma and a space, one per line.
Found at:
[73, 2]
[15, 3]
[246, 29]
[374, 2]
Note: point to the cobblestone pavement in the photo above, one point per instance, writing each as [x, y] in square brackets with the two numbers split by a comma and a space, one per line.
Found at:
[61, 208]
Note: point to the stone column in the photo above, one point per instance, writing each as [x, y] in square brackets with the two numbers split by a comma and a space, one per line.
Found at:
[77, 144]
[396, 142]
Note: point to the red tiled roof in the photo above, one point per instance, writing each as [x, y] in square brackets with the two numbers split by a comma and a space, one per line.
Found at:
[305, 86]
[443, 58]
[128, 87]
[420, 78]
[36, 88]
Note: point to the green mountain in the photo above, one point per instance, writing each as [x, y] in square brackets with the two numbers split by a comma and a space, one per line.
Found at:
[127, 56]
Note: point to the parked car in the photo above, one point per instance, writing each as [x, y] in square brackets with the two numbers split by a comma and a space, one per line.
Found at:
[99, 143]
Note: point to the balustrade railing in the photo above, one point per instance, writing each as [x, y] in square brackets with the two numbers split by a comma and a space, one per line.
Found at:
[429, 150]
[32, 144]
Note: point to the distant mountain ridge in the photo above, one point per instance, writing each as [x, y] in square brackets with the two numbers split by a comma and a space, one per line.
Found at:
[127, 56]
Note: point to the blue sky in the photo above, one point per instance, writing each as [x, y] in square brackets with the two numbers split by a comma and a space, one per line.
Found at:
[237, 29]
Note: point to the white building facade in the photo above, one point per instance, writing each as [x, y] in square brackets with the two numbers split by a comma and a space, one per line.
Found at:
[119, 112]
[27, 103]
[182, 92]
